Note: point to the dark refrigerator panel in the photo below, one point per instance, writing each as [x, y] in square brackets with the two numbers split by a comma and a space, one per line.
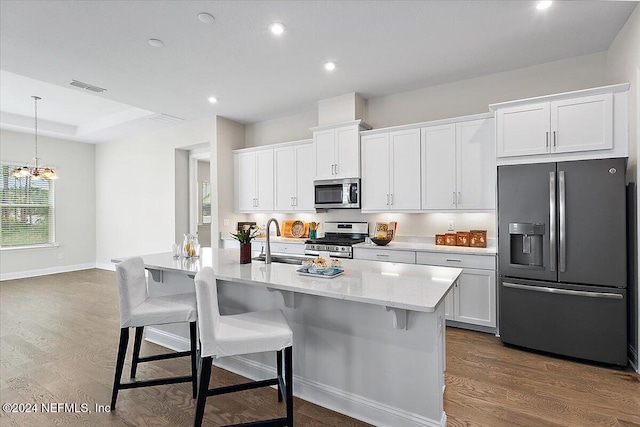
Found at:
[592, 222]
[526, 219]
[572, 320]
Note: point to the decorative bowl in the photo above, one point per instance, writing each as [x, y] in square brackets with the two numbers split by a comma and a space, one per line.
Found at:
[379, 241]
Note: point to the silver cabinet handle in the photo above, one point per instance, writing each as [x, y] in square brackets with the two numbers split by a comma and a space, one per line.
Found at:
[336, 169]
[454, 260]
[547, 140]
[391, 199]
[453, 198]
[553, 255]
[459, 199]
[554, 138]
[545, 289]
[295, 201]
[333, 169]
[387, 199]
[562, 214]
[382, 255]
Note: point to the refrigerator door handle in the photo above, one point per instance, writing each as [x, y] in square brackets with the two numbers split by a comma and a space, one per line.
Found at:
[562, 214]
[609, 295]
[552, 222]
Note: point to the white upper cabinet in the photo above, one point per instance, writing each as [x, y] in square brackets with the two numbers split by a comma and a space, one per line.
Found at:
[325, 153]
[391, 171]
[245, 167]
[475, 165]
[305, 173]
[439, 167]
[458, 166]
[254, 180]
[523, 130]
[375, 172]
[285, 178]
[294, 170]
[337, 151]
[586, 124]
[582, 124]
[404, 155]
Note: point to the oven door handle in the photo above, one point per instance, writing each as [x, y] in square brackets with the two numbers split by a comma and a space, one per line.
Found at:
[545, 289]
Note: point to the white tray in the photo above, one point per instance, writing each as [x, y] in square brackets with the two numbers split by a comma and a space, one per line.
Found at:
[320, 275]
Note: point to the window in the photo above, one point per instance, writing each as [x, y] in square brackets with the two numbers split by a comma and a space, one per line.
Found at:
[27, 214]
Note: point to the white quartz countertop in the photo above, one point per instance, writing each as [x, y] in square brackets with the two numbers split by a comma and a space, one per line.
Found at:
[403, 286]
[429, 247]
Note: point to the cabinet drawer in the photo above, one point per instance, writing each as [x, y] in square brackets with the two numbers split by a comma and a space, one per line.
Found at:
[287, 248]
[485, 262]
[406, 257]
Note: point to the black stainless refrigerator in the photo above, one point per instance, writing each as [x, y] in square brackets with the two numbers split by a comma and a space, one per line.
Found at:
[562, 258]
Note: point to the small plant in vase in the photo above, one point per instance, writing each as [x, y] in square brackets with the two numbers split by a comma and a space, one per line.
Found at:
[245, 236]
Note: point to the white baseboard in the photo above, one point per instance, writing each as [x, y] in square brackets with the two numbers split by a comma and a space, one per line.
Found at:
[166, 339]
[106, 266]
[46, 271]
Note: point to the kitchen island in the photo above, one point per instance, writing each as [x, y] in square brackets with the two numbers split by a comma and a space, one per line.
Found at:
[369, 343]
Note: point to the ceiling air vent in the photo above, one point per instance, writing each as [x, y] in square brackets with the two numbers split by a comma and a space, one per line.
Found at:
[86, 86]
[165, 118]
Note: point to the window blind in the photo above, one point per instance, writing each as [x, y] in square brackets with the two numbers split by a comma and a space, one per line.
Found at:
[27, 210]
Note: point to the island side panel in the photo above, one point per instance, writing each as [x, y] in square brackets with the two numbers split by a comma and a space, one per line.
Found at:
[348, 357]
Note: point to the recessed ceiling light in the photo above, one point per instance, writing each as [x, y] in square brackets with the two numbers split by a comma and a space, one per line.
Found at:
[277, 28]
[156, 42]
[543, 4]
[329, 66]
[205, 17]
[212, 99]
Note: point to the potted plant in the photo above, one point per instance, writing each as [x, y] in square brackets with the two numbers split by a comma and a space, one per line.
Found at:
[245, 235]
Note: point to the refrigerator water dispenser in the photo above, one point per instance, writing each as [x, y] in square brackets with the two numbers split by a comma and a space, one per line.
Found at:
[526, 244]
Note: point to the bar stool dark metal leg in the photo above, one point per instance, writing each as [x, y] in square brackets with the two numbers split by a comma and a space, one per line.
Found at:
[194, 369]
[288, 361]
[203, 389]
[122, 351]
[137, 342]
[279, 368]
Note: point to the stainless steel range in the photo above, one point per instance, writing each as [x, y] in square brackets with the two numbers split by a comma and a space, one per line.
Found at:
[338, 239]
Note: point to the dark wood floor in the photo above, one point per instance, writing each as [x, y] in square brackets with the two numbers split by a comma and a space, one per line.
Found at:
[58, 339]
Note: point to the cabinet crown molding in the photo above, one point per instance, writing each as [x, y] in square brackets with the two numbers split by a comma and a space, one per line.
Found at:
[429, 123]
[272, 146]
[363, 125]
[622, 87]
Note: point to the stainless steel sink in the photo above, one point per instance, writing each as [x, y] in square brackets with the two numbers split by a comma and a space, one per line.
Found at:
[285, 258]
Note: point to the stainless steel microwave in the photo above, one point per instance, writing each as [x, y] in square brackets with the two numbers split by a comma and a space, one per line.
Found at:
[337, 194]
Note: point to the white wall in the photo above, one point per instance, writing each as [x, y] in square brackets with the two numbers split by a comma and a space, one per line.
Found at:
[290, 128]
[135, 189]
[229, 136]
[623, 58]
[474, 95]
[74, 163]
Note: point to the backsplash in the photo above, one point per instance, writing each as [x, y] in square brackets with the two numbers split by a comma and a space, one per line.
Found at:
[409, 224]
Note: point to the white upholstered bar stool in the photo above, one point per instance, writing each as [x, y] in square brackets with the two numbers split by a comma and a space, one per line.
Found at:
[245, 333]
[137, 310]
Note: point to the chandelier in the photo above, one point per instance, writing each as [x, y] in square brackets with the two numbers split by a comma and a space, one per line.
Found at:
[36, 172]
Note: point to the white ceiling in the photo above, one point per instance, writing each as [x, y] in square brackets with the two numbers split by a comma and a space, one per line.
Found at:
[381, 47]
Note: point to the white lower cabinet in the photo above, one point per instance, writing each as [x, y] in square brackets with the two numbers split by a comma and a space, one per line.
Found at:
[473, 297]
[373, 254]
